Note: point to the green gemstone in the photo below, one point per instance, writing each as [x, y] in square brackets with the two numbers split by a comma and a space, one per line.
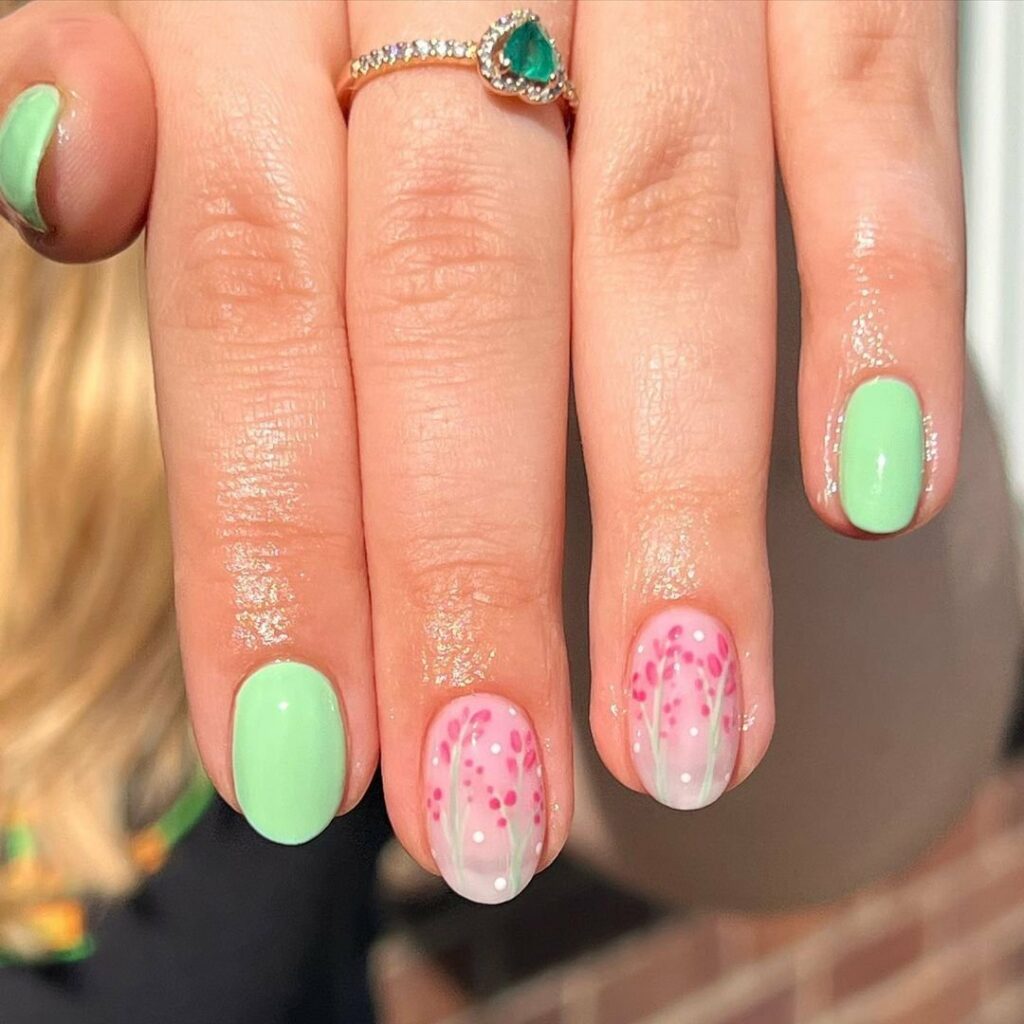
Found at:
[529, 53]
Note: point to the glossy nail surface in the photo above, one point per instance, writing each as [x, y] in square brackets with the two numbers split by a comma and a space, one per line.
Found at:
[288, 752]
[484, 797]
[684, 707]
[25, 134]
[881, 456]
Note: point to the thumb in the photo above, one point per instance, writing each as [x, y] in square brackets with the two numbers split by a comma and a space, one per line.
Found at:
[77, 130]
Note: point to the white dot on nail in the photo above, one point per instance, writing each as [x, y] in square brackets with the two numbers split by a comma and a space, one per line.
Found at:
[694, 730]
[698, 635]
[478, 836]
[513, 712]
[495, 748]
[434, 761]
[538, 848]
[686, 777]
[636, 748]
[501, 884]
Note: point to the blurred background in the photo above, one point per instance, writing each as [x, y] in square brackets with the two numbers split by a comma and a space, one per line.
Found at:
[941, 944]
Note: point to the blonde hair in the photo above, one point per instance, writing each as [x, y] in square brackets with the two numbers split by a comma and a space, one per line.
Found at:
[93, 730]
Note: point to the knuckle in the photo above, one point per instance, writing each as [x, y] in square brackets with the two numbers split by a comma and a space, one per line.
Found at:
[879, 57]
[670, 185]
[462, 571]
[444, 236]
[251, 263]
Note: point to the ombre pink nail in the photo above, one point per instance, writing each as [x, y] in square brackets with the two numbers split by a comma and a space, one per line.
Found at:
[684, 707]
[484, 797]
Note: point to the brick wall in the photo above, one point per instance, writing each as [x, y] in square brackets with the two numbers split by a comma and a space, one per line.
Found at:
[943, 945]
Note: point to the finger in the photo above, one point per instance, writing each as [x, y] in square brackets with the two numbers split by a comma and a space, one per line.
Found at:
[458, 306]
[256, 407]
[865, 112]
[673, 352]
[78, 130]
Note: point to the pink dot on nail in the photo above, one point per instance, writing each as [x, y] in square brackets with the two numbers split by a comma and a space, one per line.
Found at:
[510, 798]
[675, 632]
[516, 740]
[468, 762]
[688, 657]
[467, 782]
[494, 803]
[453, 730]
[502, 822]
[437, 794]
[536, 796]
[666, 707]
[652, 672]
[714, 665]
[640, 695]
[437, 816]
[479, 769]
[723, 646]
[672, 720]
[536, 819]
[705, 710]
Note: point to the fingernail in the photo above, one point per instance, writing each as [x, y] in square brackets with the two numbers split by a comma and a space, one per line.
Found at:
[881, 456]
[288, 752]
[684, 707]
[484, 797]
[25, 134]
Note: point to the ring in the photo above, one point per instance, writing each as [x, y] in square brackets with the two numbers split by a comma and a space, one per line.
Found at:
[515, 57]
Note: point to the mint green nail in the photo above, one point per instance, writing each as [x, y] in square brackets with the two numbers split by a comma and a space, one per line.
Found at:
[289, 752]
[881, 456]
[25, 133]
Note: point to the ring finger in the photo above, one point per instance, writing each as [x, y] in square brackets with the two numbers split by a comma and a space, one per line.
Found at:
[458, 305]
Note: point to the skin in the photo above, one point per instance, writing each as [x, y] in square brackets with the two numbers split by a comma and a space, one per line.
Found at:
[362, 332]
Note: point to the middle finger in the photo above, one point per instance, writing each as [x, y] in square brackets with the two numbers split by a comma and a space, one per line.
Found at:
[458, 304]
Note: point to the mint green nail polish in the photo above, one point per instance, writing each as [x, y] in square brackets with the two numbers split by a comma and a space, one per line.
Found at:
[25, 133]
[288, 751]
[881, 456]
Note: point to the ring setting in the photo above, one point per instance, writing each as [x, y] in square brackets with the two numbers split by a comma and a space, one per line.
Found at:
[515, 56]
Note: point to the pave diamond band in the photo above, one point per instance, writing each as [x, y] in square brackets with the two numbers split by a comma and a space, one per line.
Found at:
[515, 57]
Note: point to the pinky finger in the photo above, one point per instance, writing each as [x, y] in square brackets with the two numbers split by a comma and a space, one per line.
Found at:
[77, 130]
[865, 122]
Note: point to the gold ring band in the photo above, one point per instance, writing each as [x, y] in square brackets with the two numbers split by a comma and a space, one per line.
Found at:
[515, 57]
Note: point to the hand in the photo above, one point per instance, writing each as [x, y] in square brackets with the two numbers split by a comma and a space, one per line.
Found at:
[398, 386]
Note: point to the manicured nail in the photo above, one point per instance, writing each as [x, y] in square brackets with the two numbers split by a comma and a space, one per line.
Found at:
[25, 133]
[881, 456]
[484, 797]
[288, 752]
[684, 707]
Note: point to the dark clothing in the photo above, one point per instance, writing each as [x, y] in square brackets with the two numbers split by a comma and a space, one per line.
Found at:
[232, 930]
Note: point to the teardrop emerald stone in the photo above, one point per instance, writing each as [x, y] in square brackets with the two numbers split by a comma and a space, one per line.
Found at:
[529, 53]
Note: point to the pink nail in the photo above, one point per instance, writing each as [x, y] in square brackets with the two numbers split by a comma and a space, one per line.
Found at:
[484, 797]
[684, 707]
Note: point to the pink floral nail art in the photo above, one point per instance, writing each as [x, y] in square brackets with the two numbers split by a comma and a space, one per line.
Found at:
[484, 797]
[684, 707]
